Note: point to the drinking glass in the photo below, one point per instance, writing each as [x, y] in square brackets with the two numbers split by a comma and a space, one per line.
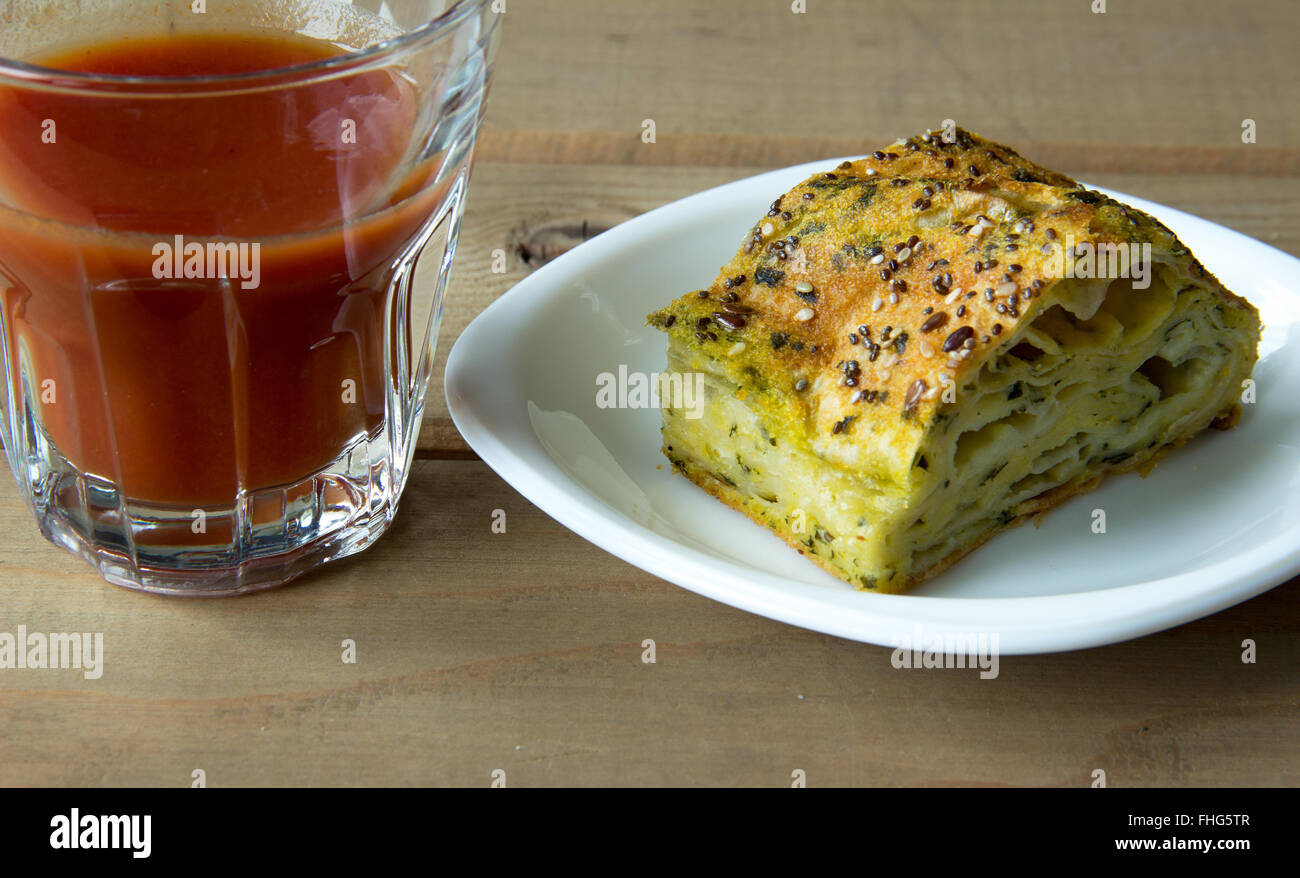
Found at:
[215, 344]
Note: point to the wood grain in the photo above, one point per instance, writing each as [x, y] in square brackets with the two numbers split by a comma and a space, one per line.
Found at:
[522, 651]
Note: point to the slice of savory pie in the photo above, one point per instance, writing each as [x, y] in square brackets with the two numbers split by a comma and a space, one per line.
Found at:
[918, 349]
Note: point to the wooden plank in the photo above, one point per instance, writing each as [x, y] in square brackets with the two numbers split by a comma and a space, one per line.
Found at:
[776, 151]
[1169, 73]
[522, 651]
[523, 208]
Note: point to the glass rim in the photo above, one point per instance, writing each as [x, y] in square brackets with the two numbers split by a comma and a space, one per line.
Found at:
[22, 73]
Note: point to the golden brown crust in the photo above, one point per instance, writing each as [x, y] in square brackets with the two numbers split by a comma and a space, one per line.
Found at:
[892, 265]
[868, 288]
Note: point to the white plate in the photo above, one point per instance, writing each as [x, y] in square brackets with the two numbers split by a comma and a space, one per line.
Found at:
[1214, 524]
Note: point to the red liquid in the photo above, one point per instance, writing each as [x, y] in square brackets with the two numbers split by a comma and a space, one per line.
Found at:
[188, 391]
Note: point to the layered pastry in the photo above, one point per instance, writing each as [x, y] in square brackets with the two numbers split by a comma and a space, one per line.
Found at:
[914, 351]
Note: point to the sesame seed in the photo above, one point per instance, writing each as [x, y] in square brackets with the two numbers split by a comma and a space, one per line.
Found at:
[736, 348]
[845, 164]
[914, 393]
[1050, 234]
[927, 349]
[766, 229]
[801, 384]
[876, 304]
[803, 287]
[905, 254]
[969, 344]
[934, 321]
[877, 259]
[871, 172]
[893, 298]
[952, 297]
[976, 231]
[997, 329]
[956, 338]
[885, 375]
[805, 314]
[1006, 289]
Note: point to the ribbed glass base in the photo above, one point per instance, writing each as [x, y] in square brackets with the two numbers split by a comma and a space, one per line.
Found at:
[267, 538]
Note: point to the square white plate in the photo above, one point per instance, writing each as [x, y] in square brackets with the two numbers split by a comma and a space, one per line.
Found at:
[1216, 522]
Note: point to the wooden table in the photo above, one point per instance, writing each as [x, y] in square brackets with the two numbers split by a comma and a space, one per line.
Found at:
[522, 651]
